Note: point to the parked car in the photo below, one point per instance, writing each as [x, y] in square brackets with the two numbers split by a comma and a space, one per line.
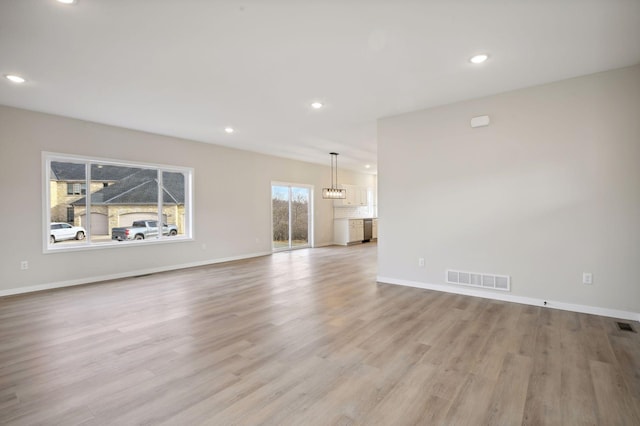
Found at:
[141, 229]
[61, 231]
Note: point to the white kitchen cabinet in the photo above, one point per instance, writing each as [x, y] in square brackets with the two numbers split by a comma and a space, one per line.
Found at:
[349, 201]
[374, 230]
[356, 230]
[348, 231]
[341, 231]
[360, 194]
[356, 196]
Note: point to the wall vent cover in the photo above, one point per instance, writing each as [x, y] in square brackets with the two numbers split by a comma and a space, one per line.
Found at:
[480, 280]
[625, 326]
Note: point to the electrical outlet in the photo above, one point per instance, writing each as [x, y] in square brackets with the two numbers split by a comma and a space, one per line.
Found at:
[587, 278]
[24, 265]
[421, 262]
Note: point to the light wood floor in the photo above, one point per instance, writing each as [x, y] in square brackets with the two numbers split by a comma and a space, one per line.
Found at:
[305, 338]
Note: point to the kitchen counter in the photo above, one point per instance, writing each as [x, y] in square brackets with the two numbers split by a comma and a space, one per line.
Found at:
[348, 231]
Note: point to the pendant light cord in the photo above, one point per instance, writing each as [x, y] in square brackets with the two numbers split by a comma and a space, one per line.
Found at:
[334, 173]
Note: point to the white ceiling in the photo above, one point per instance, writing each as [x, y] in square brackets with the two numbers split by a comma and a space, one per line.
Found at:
[189, 68]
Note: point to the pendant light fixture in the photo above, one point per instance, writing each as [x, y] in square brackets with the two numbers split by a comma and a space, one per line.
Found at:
[334, 193]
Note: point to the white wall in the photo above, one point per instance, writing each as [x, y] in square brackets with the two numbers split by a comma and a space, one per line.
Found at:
[232, 199]
[551, 189]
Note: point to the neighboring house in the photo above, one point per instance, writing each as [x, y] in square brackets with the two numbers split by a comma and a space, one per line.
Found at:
[68, 184]
[119, 196]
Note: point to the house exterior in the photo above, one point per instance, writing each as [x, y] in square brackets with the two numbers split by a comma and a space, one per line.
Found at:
[119, 196]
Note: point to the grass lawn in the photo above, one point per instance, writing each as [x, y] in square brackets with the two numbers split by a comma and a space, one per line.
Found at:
[285, 244]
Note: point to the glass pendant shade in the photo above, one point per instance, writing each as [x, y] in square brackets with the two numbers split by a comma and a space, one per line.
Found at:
[334, 193]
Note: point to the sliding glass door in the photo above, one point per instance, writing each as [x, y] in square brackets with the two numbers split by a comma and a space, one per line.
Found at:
[291, 216]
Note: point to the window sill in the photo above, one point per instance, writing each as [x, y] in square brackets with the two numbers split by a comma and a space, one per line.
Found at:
[65, 247]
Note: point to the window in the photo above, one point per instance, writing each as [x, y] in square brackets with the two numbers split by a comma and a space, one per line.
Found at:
[70, 214]
[76, 188]
[113, 203]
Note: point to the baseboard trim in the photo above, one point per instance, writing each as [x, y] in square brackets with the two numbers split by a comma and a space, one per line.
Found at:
[89, 280]
[595, 310]
[585, 309]
[323, 245]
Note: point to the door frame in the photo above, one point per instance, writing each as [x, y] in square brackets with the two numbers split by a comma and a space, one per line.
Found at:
[310, 218]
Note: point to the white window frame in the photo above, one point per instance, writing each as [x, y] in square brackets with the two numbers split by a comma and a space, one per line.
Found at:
[311, 217]
[48, 157]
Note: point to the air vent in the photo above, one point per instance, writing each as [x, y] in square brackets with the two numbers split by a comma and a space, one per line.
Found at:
[480, 280]
[625, 326]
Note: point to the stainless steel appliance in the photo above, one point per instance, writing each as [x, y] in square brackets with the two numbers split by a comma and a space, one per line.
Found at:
[368, 229]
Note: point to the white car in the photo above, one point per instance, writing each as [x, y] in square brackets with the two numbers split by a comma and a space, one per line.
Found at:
[63, 231]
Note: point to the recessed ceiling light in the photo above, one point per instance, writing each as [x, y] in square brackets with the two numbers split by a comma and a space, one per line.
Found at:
[14, 78]
[478, 59]
[367, 166]
[316, 105]
[67, 1]
[228, 129]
